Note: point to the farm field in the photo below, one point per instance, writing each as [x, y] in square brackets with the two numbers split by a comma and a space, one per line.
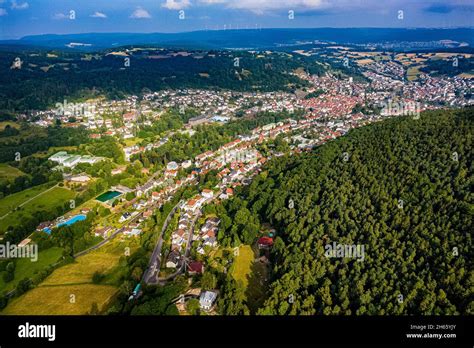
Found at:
[102, 260]
[56, 300]
[413, 72]
[51, 297]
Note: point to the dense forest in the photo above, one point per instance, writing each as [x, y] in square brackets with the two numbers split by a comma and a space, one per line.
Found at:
[46, 78]
[33, 139]
[451, 68]
[402, 188]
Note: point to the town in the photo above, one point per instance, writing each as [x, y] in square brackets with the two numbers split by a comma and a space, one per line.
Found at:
[329, 108]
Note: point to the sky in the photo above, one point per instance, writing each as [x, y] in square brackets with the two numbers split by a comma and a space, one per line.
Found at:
[31, 17]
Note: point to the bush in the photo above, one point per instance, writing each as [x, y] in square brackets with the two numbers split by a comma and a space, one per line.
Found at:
[97, 277]
[193, 307]
[23, 286]
[8, 277]
[3, 302]
[10, 267]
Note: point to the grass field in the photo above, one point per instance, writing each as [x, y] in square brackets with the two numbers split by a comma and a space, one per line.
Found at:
[102, 260]
[364, 61]
[257, 286]
[52, 295]
[243, 264]
[467, 75]
[55, 300]
[413, 72]
[8, 172]
[253, 274]
[55, 197]
[12, 201]
[25, 268]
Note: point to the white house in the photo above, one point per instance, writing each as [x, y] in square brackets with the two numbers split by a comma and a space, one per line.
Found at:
[132, 232]
[187, 164]
[206, 300]
[206, 193]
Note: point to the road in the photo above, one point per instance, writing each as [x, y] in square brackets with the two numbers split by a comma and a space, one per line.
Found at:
[151, 274]
[97, 246]
[186, 253]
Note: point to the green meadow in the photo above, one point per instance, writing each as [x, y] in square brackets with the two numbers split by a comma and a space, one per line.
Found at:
[8, 172]
[34, 199]
[25, 268]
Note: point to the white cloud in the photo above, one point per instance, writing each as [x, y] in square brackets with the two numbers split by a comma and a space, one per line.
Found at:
[176, 4]
[3, 12]
[17, 6]
[98, 14]
[60, 16]
[140, 13]
[261, 6]
[210, 2]
[264, 5]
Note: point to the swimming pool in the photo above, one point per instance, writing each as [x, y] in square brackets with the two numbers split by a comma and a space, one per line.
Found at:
[108, 196]
[69, 222]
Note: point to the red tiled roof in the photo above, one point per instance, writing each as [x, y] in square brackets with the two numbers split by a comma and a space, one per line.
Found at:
[265, 241]
[195, 266]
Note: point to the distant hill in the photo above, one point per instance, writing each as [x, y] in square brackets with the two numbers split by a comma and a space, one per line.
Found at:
[251, 39]
[46, 78]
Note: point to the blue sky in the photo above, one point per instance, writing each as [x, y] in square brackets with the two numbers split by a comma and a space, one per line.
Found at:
[26, 17]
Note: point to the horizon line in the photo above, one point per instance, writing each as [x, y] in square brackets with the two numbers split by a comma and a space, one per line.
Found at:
[239, 29]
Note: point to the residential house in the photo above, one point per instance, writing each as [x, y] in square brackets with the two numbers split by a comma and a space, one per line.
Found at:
[206, 193]
[195, 267]
[132, 232]
[103, 232]
[206, 300]
[173, 260]
[265, 242]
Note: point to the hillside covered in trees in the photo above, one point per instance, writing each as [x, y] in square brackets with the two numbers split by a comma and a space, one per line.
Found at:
[46, 78]
[403, 189]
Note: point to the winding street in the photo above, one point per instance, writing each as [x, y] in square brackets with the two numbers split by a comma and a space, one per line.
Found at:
[151, 274]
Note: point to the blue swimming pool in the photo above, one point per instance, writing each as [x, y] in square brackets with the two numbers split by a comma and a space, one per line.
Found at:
[69, 222]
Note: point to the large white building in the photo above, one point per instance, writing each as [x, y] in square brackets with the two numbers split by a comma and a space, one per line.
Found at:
[67, 160]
